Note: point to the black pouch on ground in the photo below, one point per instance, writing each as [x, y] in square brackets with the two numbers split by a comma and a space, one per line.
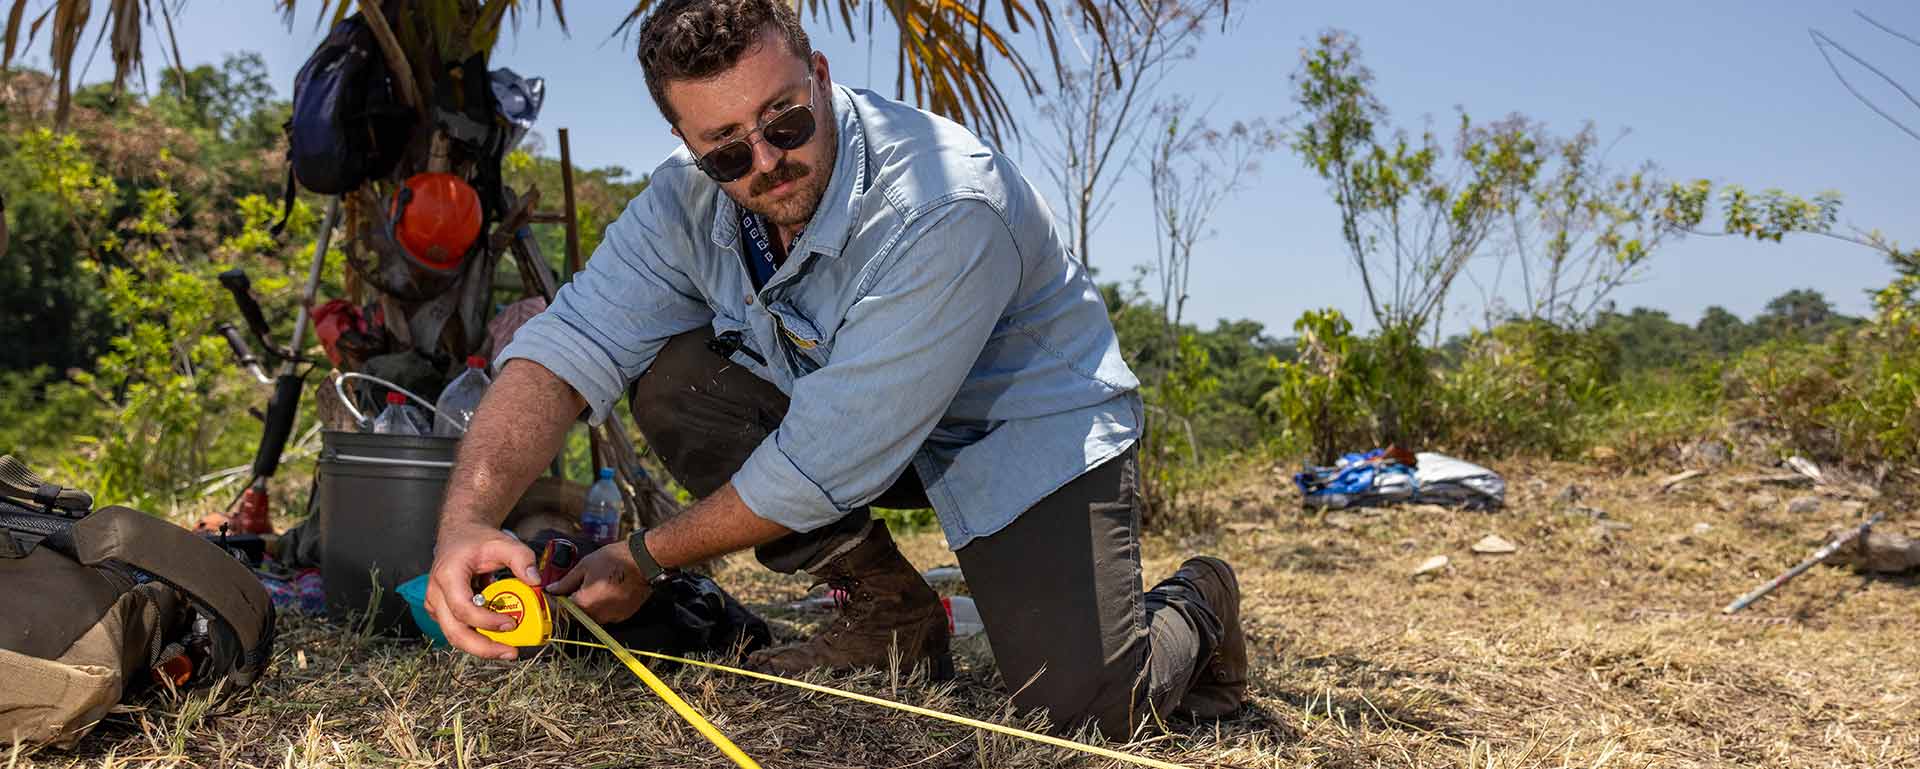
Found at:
[689, 614]
[98, 604]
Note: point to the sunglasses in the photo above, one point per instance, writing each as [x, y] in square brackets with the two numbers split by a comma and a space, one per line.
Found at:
[789, 129]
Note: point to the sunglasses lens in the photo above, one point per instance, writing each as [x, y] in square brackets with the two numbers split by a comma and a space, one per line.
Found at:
[791, 129]
[729, 161]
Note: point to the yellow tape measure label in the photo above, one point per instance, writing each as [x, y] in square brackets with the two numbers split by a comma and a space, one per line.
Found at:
[527, 605]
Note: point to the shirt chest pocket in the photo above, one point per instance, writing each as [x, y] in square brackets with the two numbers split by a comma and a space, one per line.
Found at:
[735, 340]
[803, 345]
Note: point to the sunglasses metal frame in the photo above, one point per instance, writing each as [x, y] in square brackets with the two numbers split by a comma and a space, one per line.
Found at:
[746, 139]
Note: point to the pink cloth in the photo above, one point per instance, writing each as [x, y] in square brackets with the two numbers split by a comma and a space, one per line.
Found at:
[500, 330]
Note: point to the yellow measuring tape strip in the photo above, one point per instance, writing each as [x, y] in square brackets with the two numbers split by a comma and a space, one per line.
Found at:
[626, 655]
[658, 686]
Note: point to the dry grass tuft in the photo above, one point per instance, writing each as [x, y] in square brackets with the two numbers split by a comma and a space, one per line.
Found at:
[1597, 644]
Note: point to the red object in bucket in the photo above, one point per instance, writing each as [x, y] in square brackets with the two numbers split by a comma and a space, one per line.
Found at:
[436, 218]
[332, 319]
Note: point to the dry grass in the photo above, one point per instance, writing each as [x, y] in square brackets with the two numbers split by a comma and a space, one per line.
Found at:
[1589, 647]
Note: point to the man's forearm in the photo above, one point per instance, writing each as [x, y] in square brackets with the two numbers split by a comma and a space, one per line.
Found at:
[516, 431]
[715, 526]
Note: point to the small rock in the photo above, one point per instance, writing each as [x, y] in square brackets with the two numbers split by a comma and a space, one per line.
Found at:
[1702, 528]
[1804, 466]
[1762, 501]
[1804, 505]
[1431, 565]
[1885, 552]
[1494, 544]
[1602, 454]
[1706, 452]
[1571, 494]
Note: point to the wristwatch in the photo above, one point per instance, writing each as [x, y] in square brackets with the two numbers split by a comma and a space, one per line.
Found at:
[650, 570]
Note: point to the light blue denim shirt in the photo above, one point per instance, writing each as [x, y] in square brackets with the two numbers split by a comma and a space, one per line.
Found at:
[930, 314]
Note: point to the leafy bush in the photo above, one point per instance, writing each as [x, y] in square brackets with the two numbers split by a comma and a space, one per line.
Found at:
[1526, 386]
[1322, 400]
[1855, 398]
[42, 410]
[1170, 454]
[1344, 392]
[143, 215]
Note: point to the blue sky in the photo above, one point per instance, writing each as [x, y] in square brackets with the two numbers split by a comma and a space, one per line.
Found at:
[1729, 91]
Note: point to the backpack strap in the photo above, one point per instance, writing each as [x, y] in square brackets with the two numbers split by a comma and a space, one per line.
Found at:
[20, 483]
[210, 578]
[286, 201]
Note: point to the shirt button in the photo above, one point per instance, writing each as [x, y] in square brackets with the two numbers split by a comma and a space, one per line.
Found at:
[749, 299]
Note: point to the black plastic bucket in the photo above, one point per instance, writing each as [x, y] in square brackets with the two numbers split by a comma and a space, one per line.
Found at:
[379, 511]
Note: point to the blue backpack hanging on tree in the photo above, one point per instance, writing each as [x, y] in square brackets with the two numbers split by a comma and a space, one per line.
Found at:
[349, 125]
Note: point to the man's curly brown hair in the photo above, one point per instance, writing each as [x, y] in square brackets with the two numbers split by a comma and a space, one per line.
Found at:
[698, 39]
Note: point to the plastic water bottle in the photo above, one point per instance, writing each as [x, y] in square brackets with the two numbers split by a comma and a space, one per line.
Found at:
[601, 521]
[963, 618]
[461, 398]
[398, 418]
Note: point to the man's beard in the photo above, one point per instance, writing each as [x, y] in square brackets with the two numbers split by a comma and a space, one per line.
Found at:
[797, 207]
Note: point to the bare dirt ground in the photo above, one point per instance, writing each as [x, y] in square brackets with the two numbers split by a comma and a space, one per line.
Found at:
[1596, 643]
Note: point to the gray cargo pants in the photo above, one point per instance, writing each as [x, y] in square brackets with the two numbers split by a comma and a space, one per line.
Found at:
[1058, 589]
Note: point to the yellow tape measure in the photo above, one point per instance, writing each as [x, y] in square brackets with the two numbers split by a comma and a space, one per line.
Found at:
[527, 605]
[532, 611]
[538, 610]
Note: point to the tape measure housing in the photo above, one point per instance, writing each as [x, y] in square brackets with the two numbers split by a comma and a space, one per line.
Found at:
[527, 605]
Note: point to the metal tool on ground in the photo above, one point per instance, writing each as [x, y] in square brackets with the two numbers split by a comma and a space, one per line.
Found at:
[1800, 568]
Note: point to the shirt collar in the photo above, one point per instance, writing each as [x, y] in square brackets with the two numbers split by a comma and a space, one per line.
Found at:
[832, 222]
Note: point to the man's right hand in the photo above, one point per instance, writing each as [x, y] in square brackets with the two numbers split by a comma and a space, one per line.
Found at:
[463, 552]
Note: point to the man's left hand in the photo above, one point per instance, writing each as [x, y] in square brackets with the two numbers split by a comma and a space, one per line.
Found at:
[606, 584]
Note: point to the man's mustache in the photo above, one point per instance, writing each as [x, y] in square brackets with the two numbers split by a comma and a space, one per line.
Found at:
[781, 174]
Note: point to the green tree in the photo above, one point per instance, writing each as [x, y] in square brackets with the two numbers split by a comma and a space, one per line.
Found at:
[1411, 217]
[224, 100]
[1722, 332]
[1798, 311]
[1649, 339]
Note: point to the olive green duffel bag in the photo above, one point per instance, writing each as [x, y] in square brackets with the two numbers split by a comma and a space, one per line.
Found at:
[96, 604]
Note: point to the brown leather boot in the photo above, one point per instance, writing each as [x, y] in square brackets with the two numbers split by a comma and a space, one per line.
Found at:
[1222, 686]
[888, 604]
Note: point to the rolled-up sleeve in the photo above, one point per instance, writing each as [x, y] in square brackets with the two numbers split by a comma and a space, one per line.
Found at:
[899, 357]
[607, 324]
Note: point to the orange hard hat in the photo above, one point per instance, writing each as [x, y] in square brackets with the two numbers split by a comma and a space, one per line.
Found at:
[436, 218]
